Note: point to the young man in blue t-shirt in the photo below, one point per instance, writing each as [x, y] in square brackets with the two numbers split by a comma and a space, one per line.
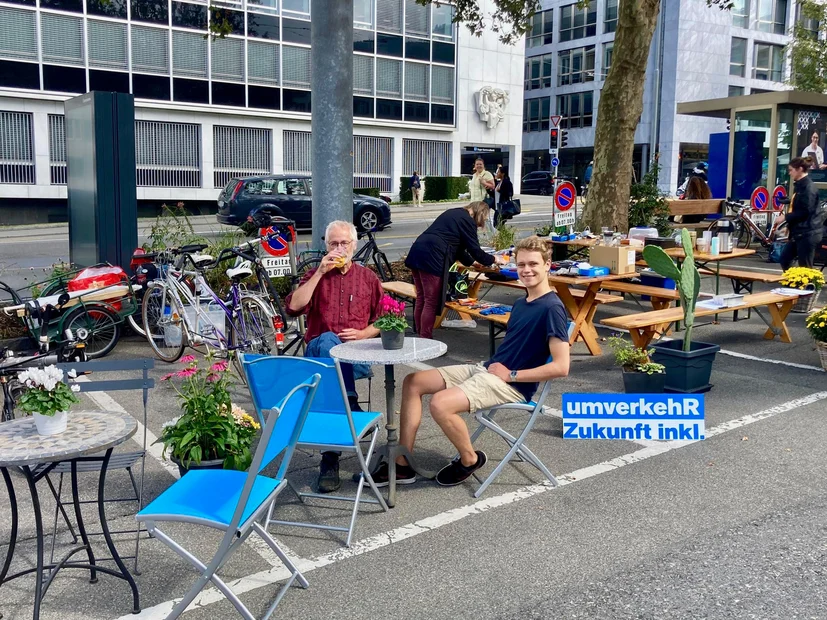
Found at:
[535, 349]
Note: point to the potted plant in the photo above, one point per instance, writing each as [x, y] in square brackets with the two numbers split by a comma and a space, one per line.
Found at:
[817, 326]
[688, 364]
[805, 279]
[47, 397]
[640, 374]
[212, 432]
[391, 323]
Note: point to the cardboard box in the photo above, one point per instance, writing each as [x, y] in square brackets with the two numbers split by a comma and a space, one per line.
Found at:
[618, 259]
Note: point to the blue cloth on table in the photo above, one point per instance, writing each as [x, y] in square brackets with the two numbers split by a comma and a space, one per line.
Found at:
[496, 310]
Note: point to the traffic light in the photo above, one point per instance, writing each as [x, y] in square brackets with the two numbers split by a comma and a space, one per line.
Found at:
[564, 138]
[553, 138]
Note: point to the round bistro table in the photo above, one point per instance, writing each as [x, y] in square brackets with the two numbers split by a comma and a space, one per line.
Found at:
[371, 352]
[23, 449]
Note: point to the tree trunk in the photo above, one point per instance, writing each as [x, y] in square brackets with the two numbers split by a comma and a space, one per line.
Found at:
[621, 105]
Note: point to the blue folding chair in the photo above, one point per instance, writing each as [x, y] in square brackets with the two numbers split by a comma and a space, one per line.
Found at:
[331, 425]
[234, 501]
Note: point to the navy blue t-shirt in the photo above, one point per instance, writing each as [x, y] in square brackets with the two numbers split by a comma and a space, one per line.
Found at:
[530, 326]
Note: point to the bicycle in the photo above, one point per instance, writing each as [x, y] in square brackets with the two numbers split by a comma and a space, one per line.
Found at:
[746, 229]
[368, 252]
[175, 317]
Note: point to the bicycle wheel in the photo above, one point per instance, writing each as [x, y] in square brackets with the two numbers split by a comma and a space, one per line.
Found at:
[134, 325]
[253, 331]
[307, 265]
[163, 322]
[743, 236]
[383, 267]
[103, 325]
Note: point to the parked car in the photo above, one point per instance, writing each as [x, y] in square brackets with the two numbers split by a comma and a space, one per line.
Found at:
[539, 182]
[290, 196]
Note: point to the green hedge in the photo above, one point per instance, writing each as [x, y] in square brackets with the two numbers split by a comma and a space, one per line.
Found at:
[367, 191]
[436, 188]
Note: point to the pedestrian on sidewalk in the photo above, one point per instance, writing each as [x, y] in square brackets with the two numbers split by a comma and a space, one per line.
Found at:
[504, 192]
[587, 178]
[451, 237]
[481, 183]
[416, 189]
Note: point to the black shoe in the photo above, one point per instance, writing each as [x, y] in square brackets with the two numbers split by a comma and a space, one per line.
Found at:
[353, 401]
[455, 472]
[404, 474]
[329, 473]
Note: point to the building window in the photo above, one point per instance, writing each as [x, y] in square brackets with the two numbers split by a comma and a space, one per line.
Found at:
[388, 77]
[240, 151]
[416, 18]
[735, 91]
[768, 63]
[772, 16]
[150, 49]
[16, 148]
[442, 84]
[262, 63]
[296, 6]
[740, 13]
[807, 25]
[575, 66]
[540, 29]
[610, 21]
[18, 38]
[373, 162]
[738, 57]
[389, 15]
[168, 154]
[538, 72]
[57, 149]
[536, 113]
[575, 110]
[296, 155]
[443, 21]
[62, 39]
[107, 45]
[416, 81]
[189, 54]
[427, 157]
[578, 23]
[363, 74]
[296, 66]
[363, 13]
[228, 60]
[608, 53]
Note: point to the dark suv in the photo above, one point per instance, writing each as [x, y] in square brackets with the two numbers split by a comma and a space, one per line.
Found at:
[537, 183]
[290, 196]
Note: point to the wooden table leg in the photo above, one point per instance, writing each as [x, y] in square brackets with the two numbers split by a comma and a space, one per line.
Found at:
[581, 314]
[641, 337]
[779, 313]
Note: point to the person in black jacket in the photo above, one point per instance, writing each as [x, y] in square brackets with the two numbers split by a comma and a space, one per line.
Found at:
[451, 237]
[805, 219]
[505, 192]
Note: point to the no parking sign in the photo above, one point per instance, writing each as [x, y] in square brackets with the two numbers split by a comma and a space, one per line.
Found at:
[565, 197]
[277, 247]
[760, 201]
[778, 194]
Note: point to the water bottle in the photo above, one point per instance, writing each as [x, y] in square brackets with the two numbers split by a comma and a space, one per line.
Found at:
[714, 246]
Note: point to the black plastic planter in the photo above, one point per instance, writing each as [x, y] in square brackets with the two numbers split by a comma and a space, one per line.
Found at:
[643, 383]
[686, 372]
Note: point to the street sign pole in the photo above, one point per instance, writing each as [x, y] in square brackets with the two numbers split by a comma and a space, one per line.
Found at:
[554, 143]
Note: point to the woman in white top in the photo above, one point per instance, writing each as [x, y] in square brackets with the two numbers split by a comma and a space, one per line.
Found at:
[813, 147]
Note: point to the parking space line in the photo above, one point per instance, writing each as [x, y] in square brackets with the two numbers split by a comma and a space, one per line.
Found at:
[276, 574]
[753, 358]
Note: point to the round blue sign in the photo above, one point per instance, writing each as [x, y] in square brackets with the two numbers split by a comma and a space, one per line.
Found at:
[760, 198]
[778, 194]
[565, 196]
[555, 162]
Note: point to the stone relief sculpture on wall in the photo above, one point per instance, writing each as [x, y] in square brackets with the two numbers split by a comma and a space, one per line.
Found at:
[491, 105]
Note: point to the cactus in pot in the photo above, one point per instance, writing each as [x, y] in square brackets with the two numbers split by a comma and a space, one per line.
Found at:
[687, 279]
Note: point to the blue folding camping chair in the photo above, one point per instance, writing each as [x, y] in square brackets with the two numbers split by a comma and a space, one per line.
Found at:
[331, 425]
[235, 501]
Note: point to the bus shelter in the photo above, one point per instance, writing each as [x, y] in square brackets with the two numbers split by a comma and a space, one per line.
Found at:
[766, 130]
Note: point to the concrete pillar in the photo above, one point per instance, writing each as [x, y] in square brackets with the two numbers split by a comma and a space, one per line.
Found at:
[331, 62]
[398, 169]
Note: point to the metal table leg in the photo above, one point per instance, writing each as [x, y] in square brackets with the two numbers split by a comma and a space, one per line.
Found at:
[13, 539]
[392, 427]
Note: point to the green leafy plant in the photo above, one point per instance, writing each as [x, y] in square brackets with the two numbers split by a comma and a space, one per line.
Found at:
[629, 357]
[687, 279]
[45, 391]
[647, 204]
[503, 238]
[817, 325]
[391, 315]
[211, 427]
[544, 231]
[171, 229]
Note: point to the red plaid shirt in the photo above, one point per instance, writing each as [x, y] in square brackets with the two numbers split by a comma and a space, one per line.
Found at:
[340, 301]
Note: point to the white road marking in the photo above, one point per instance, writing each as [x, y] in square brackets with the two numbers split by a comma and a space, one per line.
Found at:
[770, 361]
[276, 574]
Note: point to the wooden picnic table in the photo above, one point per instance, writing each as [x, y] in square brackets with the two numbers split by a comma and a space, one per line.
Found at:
[702, 259]
[572, 247]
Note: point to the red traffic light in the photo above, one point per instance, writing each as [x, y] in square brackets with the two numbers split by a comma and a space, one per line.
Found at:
[553, 134]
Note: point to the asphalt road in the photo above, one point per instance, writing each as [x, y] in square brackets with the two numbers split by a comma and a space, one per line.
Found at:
[733, 526]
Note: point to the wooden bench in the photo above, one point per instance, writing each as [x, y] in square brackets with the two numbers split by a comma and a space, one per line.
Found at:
[660, 297]
[644, 326]
[694, 207]
[742, 281]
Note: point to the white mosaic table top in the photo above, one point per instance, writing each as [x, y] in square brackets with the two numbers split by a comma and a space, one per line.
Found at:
[87, 432]
[370, 351]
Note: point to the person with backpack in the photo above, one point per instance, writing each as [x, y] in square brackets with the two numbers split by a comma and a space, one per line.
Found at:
[805, 219]
[416, 189]
[452, 236]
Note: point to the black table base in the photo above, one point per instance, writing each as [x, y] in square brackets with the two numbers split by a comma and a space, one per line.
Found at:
[42, 585]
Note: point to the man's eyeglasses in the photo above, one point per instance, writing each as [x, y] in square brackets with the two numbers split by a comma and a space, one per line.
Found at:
[338, 244]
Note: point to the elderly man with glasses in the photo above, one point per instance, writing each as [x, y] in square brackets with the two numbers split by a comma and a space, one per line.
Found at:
[341, 300]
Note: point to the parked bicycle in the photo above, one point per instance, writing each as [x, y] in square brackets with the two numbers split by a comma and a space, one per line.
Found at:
[746, 228]
[369, 252]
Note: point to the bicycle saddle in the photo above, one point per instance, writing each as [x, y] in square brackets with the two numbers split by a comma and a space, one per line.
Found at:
[202, 259]
[241, 271]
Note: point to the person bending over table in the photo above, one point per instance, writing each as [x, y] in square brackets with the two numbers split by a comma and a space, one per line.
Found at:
[341, 300]
[452, 237]
[536, 333]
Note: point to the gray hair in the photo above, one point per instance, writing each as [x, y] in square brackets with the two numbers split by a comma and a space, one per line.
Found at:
[354, 236]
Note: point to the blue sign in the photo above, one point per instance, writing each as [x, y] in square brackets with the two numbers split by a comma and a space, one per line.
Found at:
[555, 162]
[760, 198]
[633, 417]
[778, 194]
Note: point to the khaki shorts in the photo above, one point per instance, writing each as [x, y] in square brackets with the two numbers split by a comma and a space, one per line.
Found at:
[482, 389]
